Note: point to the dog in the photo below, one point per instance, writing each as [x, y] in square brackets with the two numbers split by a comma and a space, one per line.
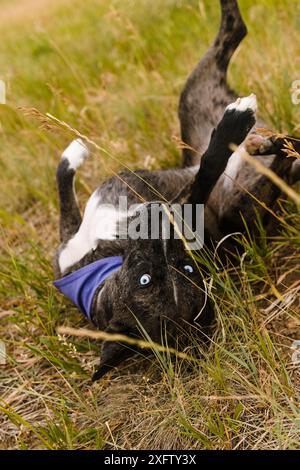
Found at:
[136, 287]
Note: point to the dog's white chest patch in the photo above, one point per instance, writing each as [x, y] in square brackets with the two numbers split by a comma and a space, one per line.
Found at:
[100, 222]
[232, 168]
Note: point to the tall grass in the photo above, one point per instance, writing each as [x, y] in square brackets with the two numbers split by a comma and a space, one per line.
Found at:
[114, 71]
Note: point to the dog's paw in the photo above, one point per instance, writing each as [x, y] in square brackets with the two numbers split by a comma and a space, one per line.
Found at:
[239, 118]
[249, 103]
[257, 145]
[76, 153]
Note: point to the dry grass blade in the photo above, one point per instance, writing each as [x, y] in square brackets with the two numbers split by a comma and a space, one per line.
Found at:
[182, 145]
[142, 344]
[272, 134]
[52, 124]
[290, 150]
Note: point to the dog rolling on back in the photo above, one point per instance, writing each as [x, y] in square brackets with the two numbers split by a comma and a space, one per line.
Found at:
[132, 286]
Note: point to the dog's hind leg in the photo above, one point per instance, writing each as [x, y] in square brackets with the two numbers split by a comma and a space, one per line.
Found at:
[206, 92]
[70, 217]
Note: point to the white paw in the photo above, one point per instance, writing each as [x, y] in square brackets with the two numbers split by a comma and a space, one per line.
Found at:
[242, 104]
[76, 153]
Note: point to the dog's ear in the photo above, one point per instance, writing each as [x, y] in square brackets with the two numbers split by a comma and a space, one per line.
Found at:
[112, 354]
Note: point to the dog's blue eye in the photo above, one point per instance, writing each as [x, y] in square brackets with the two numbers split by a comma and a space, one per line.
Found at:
[189, 269]
[145, 279]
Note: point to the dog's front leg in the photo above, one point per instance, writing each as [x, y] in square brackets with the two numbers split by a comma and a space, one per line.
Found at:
[284, 146]
[237, 121]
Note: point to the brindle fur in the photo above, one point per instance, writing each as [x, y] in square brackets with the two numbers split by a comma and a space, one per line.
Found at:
[119, 305]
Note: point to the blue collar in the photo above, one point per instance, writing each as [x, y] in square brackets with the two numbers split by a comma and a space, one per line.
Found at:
[81, 285]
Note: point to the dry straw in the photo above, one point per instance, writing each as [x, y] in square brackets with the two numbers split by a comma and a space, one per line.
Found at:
[118, 338]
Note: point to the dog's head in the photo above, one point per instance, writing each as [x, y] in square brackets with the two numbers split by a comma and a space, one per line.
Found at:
[157, 290]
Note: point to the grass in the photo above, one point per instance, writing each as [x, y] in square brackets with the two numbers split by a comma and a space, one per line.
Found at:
[114, 70]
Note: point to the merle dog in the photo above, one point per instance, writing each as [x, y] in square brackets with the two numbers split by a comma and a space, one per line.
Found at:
[133, 286]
